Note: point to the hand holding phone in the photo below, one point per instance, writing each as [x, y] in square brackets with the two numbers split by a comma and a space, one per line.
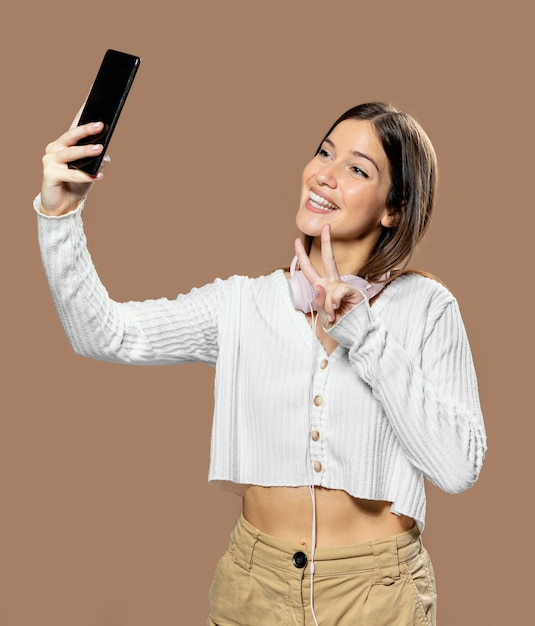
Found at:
[105, 103]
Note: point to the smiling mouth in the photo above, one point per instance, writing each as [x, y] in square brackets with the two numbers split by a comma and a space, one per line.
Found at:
[320, 203]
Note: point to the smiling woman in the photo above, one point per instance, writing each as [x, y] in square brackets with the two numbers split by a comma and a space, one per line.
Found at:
[365, 385]
[399, 149]
[346, 185]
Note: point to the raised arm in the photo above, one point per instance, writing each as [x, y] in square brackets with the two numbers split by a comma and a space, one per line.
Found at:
[150, 332]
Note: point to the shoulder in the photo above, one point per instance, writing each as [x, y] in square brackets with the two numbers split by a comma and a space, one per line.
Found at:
[242, 286]
[415, 298]
[415, 284]
[276, 279]
[265, 297]
[269, 288]
[414, 306]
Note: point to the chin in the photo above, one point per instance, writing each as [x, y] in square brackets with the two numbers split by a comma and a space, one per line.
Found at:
[306, 228]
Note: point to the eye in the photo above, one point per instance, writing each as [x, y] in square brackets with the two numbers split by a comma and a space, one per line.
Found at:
[323, 152]
[358, 171]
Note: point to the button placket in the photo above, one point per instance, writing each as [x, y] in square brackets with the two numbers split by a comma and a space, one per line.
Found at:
[317, 408]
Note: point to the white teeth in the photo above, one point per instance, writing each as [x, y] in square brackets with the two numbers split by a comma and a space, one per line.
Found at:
[320, 203]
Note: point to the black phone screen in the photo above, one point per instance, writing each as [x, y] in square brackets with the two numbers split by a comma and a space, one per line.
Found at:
[105, 102]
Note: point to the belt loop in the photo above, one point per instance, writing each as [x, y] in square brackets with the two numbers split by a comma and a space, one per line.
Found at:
[386, 561]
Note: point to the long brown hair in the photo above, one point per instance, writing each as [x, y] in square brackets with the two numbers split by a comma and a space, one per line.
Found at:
[413, 173]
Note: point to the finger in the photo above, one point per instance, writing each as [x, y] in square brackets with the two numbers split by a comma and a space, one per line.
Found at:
[327, 255]
[320, 301]
[305, 264]
[323, 304]
[72, 136]
[321, 296]
[55, 174]
[329, 309]
[345, 294]
[62, 157]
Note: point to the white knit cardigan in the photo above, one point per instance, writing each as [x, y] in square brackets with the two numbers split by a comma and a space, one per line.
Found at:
[395, 402]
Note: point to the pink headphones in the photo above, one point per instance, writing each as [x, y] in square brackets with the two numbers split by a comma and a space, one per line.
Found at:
[302, 291]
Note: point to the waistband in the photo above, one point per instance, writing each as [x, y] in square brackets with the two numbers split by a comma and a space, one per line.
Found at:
[249, 545]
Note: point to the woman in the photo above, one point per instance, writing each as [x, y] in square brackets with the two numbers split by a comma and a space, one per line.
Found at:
[365, 383]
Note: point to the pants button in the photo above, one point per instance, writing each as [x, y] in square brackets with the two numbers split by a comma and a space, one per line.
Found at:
[299, 560]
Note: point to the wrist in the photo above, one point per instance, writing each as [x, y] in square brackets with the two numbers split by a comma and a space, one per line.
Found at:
[57, 213]
[39, 208]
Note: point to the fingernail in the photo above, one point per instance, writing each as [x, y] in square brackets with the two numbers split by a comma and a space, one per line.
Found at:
[330, 318]
[96, 147]
[96, 124]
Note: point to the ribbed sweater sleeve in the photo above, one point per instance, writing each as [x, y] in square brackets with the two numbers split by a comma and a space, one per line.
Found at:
[150, 332]
[431, 401]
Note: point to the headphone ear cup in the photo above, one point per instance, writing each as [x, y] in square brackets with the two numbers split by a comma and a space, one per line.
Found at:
[301, 292]
[368, 289]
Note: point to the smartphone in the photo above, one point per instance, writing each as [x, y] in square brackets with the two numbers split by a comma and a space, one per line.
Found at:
[105, 103]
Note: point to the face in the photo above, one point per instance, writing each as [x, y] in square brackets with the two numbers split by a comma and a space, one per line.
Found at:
[346, 185]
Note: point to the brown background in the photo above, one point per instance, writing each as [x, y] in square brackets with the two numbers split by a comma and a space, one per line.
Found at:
[106, 517]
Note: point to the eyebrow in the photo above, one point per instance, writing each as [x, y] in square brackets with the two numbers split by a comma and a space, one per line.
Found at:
[357, 153]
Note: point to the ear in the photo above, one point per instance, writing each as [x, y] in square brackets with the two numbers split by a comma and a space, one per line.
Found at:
[393, 215]
[391, 220]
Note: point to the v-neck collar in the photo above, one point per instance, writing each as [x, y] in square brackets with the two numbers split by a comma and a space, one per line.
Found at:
[300, 320]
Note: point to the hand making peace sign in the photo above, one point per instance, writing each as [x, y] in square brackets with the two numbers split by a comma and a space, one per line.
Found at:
[334, 298]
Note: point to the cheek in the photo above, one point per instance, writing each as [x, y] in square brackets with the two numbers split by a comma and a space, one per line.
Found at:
[366, 200]
[308, 172]
[305, 178]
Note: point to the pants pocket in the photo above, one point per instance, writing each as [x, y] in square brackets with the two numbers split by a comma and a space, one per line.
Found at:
[239, 597]
[228, 585]
[409, 600]
[421, 578]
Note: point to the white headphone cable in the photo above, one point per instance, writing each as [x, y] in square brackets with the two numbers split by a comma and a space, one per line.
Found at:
[314, 322]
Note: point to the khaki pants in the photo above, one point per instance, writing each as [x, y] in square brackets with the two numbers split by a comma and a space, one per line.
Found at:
[261, 581]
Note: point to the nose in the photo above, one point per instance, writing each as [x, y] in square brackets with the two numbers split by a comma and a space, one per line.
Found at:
[327, 175]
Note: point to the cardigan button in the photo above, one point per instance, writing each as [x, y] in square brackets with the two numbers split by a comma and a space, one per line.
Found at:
[318, 400]
[299, 560]
[317, 467]
[324, 364]
[315, 435]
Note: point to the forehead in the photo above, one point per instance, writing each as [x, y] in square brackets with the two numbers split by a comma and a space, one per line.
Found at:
[357, 136]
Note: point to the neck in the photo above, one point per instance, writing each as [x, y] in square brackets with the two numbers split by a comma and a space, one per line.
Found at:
[350, 256]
